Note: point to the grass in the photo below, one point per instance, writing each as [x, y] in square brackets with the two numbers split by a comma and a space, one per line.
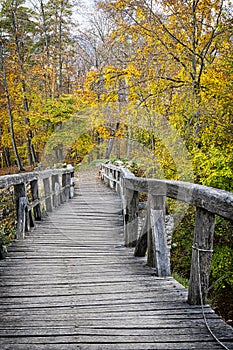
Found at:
[182, 280]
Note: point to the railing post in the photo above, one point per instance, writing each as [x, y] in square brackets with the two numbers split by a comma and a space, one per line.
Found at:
[201, 256]
[118, 185]
[29, 208]
[157, 239]
[21, 199]
[102, 172]
[47, 192]
[131, 217]
[2, 250]
[111, 182]
[142, 242]
[36, 196]
[56, 190]
[71, 189]
[63, 191]
[68, 183]
[115, 178]
[108, 175]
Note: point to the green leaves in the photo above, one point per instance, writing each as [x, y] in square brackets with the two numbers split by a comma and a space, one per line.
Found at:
[222, 267]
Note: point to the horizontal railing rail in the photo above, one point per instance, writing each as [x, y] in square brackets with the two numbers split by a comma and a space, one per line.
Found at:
[35, 192]
[152, 237]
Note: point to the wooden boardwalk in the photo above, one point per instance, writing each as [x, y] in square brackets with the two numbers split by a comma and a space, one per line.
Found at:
[73, 285]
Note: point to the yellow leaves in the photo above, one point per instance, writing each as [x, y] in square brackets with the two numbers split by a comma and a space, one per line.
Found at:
[118, 5]
[156, 64]
[140, 14]
[110, 76]
[102, 131]
[91, 79]
[132, 71]
[88, 94]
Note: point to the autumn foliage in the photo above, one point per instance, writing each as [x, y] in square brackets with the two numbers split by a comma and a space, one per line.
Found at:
[150, 81]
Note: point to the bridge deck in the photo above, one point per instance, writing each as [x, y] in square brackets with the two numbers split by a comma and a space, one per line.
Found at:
[73, 285]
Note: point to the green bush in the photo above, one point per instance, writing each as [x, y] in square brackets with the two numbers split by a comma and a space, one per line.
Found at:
[221, 274]
[181, 248]
[222, 268]
[8, 221]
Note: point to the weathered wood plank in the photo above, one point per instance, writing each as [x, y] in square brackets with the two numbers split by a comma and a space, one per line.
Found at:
[10, 180]
[73, 285]
[142, 242]
[131, 217]
[214, 200]
[201, 257]
[120, 346]
[68, 336]
[157, 239]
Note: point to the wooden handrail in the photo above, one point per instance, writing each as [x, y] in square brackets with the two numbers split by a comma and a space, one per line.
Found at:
[152, 238]
[56, 184]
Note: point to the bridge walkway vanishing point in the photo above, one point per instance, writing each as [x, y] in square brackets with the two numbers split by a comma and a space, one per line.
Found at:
[71, 284]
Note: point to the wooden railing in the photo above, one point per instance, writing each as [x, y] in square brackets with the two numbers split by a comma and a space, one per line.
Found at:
[152, 238]
[38, 192]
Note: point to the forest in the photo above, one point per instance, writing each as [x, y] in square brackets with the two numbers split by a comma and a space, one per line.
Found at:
[145, 81]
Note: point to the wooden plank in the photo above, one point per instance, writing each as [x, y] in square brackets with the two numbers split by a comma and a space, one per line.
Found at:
[73, 285]
[120, 346]
[10, 180]
[142, 242]
[157, 239]
[201, 257]
[214, 200]
[131, 217]
[105, 313]
[53, 335]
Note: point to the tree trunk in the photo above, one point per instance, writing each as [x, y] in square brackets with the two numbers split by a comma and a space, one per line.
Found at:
[18, 161]
[60, 53]
[6, 154]
[30, 151]
[47, 76]
[111, 141]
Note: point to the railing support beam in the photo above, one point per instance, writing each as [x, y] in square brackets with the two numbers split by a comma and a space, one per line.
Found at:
[29, 207]
[47, 192]
[20, 195]
[131, 217]
[201, 256]
[157, 239]
[56, 191]
[208, 201]
[36, 196]
[142, 242]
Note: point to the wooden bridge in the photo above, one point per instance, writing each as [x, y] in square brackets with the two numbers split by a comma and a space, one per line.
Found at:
[73, 283]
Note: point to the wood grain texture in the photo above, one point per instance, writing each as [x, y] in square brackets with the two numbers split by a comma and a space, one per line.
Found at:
[214, 200]
[208, 201]
[71, 284]
[201, 256]
[10, 180]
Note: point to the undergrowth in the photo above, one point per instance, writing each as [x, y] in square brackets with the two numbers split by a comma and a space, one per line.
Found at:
[8, 219]
[220, 294]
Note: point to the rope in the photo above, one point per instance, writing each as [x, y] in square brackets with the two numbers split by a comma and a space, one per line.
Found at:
[200, 291]
[202, 250]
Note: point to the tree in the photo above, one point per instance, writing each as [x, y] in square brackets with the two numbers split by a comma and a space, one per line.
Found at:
[8, 102]
[56, 44]
[43, 66]
[19, 27]
[185, 34]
